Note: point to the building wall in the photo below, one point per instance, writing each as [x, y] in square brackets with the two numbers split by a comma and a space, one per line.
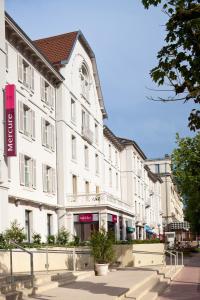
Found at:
[171, 202]
[3, 166]
[112, 168]
[33, 148]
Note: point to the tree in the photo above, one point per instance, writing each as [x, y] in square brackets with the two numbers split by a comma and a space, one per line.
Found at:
[179, 59]
[186, 172]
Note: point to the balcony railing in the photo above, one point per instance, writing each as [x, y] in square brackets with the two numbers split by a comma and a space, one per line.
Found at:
[101, 199]
[87, 134]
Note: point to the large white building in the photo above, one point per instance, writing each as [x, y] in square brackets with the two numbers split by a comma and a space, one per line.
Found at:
[69, 169]
[172, 204]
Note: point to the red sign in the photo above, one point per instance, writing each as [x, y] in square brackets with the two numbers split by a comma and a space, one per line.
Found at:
[86, 218]
[114, 218]
[10, 143]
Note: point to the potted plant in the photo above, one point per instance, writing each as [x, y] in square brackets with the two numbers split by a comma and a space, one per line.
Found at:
[101, 245]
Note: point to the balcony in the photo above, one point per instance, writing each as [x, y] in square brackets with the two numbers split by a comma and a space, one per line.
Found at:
[87, 134]
[97, 200]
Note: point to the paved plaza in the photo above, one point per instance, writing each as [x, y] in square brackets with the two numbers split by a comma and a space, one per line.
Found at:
[186, 285]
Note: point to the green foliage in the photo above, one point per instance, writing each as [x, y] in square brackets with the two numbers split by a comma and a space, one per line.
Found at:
[130, 242]
[36, 238]
[179, 59]
[101, 245]
[62, 237]
[51, 239]
[76, 240]
[15, 233]
[186, 172]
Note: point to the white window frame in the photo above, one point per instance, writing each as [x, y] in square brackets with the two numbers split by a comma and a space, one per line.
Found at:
[27, 167]
[48, 134]
[26, 120]
[86, 156]
[73, 147]
[73, 110]
[97, 163]
[25, 73]
[49, 179]
[47, 92]
[85, 81]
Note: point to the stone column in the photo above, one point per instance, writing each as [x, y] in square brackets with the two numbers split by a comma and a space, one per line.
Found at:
[103, 220]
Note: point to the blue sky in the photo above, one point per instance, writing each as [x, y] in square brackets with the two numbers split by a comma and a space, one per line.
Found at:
[125, 39]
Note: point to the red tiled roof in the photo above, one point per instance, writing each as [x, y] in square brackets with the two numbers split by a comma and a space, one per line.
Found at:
[57, 48]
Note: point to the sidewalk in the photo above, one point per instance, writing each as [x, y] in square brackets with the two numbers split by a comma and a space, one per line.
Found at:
[186, 285]
[99, 287]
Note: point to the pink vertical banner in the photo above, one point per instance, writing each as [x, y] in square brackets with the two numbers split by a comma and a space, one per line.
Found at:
[10, 143]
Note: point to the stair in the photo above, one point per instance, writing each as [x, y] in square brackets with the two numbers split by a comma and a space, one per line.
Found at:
[154, 285]
[21, 285]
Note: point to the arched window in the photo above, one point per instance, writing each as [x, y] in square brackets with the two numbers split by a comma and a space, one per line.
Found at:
[85, 81]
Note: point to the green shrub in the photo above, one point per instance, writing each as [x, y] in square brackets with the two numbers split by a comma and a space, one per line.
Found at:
[15, 233]
[36, 238]
[76, 240]
[101, 245]
[51, 239]
[62, 237]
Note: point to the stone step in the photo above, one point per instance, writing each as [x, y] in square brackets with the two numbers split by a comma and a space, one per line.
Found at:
[155, 292]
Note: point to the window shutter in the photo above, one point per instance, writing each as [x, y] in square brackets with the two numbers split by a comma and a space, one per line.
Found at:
[34, 173]
[53, 181]
[52, 97]
[44, 176]
[32, 79]
[49, 136]
[28, 76]
[21, 116]
[52, 138]
[6, 49]
[43, 132]
[29, 122]
[33, 124]
[20, 68]
[42, 88]
[21, 169]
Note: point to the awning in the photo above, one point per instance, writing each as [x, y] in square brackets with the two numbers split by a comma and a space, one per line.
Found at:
[130, 229]
[148, 229]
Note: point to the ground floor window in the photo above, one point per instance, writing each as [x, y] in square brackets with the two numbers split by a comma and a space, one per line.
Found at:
[85, 224]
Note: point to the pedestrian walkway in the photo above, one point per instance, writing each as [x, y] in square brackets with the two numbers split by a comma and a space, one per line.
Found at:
[186, 285]
[107, 287]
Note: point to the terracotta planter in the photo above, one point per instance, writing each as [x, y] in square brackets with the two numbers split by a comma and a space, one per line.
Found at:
[101, 269]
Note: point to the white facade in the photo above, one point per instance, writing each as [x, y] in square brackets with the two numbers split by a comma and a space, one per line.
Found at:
[31, 183]
[70, 170]
[172, 205]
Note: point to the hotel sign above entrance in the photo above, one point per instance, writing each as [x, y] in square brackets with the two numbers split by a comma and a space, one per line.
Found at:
[10, 142]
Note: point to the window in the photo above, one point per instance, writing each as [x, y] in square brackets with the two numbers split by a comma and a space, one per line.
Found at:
[97, 163]
[28, 225]
[110, 177]
[84, 81]
[87, 188]
[49, 179]
[86, 132]
[117, 181]
[74, 184]
[85, 119]
[49, 224]
[157, 169]
[25, 73]
[86, 156]
[27, 171]
[73, 144]
[109, 146]
[73, 111]
[6, 50]
[96, 134]
[47, 93]
[116, 158]
[48, 134]
[97, 189]
[26, 120]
